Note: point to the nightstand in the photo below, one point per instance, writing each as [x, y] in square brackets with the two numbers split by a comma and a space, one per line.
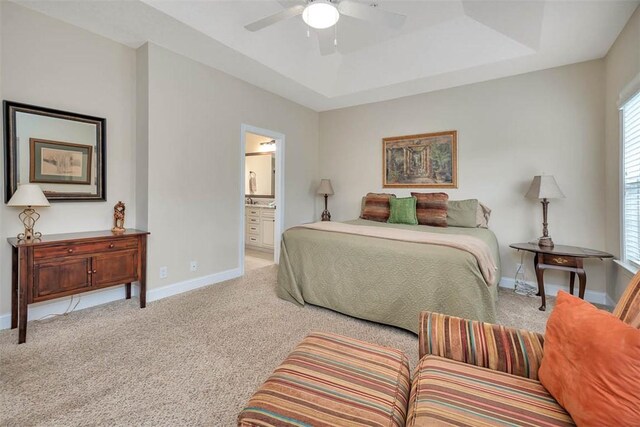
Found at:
[560, 257]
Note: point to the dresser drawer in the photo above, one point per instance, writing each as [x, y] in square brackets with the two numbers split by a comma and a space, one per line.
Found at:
[252, 220]
[253, 211]
[559, 260]
[253, 229]
[84, 248]
[252, 240]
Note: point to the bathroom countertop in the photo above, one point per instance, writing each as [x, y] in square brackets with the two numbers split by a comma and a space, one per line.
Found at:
[259, 206]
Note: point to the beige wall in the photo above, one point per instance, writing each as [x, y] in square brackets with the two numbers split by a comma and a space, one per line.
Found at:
[194, 163]
[173, 155]
[142, 137]
[49, 63]
[622, 64]
[508, 131]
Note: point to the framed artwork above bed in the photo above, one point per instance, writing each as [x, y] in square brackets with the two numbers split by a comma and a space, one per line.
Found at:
[428, 160]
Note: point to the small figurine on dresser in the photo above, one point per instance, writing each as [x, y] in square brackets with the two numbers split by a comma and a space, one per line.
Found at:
[118, 218]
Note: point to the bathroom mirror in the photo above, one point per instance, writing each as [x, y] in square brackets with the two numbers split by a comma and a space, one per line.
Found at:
[60, 151]
[260, 170]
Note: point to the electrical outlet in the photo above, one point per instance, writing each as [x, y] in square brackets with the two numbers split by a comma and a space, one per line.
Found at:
[164, 272]
[194, 266]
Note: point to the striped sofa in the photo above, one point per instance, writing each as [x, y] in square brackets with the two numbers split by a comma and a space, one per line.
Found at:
[478, 374]
[469, 374]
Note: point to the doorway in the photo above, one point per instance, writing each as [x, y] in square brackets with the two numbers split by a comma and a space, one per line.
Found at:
[262, 196]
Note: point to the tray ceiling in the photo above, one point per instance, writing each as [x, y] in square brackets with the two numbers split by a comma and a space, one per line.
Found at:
[442, 43]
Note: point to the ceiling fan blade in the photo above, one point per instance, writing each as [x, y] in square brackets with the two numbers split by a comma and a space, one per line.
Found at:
[276, 17]
[326, 41]
[371, 13]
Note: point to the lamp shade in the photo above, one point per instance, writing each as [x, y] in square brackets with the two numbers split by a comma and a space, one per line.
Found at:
[28, 195]
[325, 187]
[544, 187]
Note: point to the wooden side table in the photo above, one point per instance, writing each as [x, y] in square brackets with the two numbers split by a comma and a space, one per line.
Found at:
[60, 265]
[560, 257]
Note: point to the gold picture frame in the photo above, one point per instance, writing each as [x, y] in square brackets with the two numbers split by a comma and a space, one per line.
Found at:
[428, 160]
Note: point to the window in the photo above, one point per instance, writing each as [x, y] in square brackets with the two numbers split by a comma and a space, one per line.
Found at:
[631, 180]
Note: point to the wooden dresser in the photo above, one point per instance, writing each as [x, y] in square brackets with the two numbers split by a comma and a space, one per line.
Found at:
[61, 265]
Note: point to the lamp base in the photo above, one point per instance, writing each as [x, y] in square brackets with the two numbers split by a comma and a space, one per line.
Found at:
[29, 216]
[545, 242]
[326, 216]
[29, 235]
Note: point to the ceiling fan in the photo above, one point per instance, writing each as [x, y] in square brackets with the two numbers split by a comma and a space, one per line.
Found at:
[324, 14]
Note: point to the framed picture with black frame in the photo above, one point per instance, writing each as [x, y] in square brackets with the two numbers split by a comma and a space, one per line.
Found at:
[61, 151]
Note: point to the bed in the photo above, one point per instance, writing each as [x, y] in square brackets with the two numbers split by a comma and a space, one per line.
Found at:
[387, 281]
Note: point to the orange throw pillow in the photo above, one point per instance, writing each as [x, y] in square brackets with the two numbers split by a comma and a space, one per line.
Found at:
[591, 364]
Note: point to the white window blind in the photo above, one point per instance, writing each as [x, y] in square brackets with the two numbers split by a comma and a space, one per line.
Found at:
[631, 179]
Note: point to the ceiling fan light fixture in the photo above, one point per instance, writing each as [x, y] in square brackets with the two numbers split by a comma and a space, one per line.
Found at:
[320, 14]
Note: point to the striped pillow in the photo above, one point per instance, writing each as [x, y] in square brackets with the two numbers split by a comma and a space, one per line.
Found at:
[431, 208]
[377, 207]
[500, 348]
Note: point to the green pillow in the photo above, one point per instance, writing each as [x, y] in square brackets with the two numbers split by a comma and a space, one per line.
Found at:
[403, 211]
[462, 213]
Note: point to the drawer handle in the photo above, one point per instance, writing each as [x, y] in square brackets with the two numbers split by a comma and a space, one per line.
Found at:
[111, 245]
[89, 272]
[560, 260]
[95, 271]
[70, 250]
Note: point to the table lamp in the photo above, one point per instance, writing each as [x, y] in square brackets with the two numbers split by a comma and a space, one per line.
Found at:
[544, 187]
[28, 196]
[325, 189]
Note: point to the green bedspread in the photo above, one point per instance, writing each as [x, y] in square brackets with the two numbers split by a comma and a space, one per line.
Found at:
[386, 281]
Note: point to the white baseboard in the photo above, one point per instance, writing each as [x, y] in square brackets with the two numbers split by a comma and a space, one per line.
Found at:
[189, 285]
[92, 299]
[553, 289]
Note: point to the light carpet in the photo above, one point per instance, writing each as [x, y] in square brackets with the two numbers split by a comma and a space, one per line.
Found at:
[192, 359]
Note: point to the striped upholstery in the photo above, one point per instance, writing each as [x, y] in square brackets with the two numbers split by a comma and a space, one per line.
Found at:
[628, 308]
[448, 392]
[431, 208]
[330, 380]
[376, 207]
[517, 352]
